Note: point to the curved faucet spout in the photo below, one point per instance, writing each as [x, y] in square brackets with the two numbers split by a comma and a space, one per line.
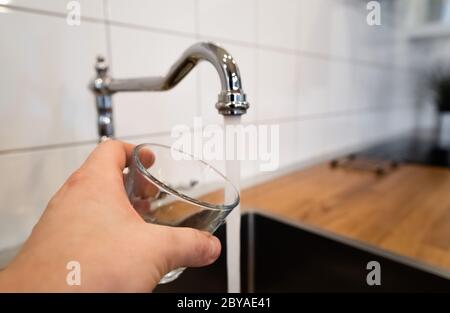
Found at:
[223, 62]
[231, 100]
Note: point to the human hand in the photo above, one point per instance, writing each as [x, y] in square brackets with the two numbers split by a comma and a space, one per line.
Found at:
[91, 221]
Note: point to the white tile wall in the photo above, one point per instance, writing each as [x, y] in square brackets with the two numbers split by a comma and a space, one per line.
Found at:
[161, 14]
[312, 67]
[318, 28]
[28, 182]
[230, 19]
[339, 29]
[314, 86]
[277, 84]
[330, 86]
[46, 66]
[278, 23]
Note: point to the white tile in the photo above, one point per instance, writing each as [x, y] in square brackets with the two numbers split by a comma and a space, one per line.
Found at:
[316, 25]
[288, 148]
[407, 86]
[366, 86]
[310, 139]
[230, 19]
[178, 15]
[88, 8]
[342, 86]
[325, 86]
[277, 85]
[306, 140]
[380, 86]
[338, 29]
[314, 88]
[400, 119]
[378, 45]
[372, 126]
[138, 53]
[368, 126]
[278, 23]
[46, 67]
[352, 37]
[425, 116]
[286, 154]
[373, 43]
[331, 134]
[246, 58]
[29, 181]
[340, 132]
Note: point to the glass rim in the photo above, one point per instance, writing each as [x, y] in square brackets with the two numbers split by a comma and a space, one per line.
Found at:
[207, 205]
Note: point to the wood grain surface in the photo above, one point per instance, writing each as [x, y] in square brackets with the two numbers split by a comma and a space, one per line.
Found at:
[406, 211]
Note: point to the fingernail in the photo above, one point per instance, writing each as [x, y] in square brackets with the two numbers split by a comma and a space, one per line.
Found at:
[215, 247]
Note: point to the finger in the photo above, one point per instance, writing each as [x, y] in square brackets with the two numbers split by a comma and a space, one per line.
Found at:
[188, 247]
[146, 157]
[109, 156]
[142, 186]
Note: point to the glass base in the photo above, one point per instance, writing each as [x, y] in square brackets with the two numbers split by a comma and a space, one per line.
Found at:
[172, 275]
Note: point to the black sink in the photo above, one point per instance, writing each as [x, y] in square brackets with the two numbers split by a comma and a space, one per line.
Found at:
[286, 258]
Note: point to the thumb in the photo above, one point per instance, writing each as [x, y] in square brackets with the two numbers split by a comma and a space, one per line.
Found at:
[188, 247]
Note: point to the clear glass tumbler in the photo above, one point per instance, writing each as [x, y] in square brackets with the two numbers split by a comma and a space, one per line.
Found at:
[169, 187]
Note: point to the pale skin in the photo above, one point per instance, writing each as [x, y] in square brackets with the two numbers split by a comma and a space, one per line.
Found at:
[91, 221]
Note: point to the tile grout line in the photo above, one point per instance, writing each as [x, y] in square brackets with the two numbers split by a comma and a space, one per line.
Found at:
[77, 143]
[48, 13]
[255, 45]
[108, 37]
[198, 82]
[49, 147]
[298, 64]
[256, 63]
[283, 120]
[327, 115]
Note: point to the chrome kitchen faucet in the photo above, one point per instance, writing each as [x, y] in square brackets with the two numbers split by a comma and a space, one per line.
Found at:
[231, 99]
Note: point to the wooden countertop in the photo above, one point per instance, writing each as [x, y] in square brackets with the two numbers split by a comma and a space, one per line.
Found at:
[406, 211]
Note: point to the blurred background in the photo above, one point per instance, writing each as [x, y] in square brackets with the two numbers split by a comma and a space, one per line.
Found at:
[332, 82]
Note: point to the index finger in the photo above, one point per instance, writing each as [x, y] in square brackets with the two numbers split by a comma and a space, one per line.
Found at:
[109, 156]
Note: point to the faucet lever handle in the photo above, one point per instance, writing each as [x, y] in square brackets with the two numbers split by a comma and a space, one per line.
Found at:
[99, 86]
[101, 67]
